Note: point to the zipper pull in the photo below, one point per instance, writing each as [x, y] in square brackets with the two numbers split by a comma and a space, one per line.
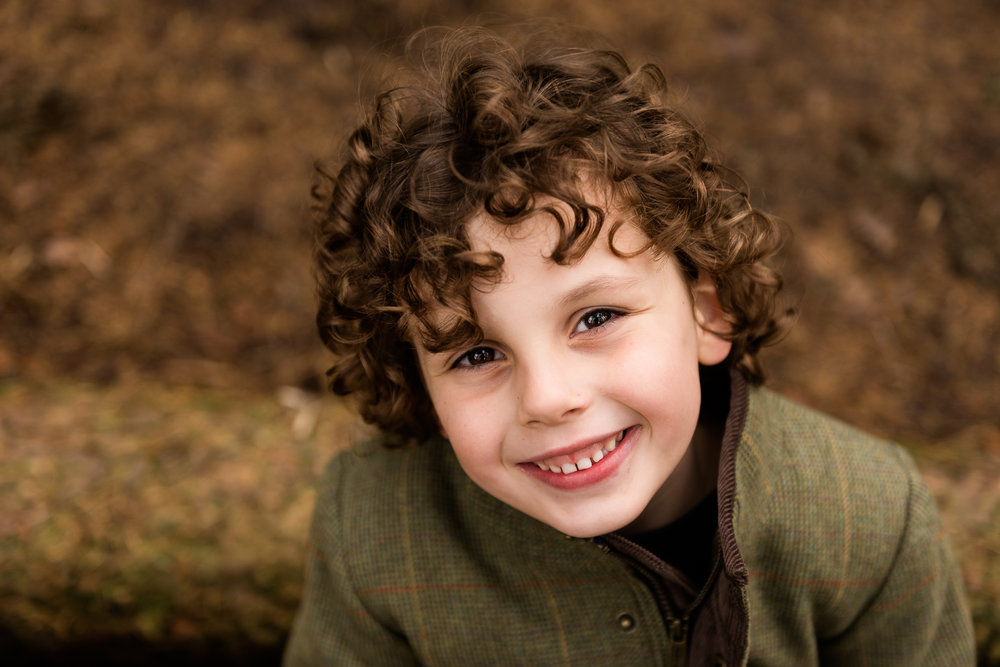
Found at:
[678, 642]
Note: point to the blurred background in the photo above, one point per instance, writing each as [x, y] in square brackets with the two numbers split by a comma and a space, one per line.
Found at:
[161, 413]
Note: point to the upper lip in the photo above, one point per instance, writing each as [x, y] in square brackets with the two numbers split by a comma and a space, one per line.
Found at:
[583, 443]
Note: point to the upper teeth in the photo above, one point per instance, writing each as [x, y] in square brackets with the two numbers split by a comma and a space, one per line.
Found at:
[585, 461]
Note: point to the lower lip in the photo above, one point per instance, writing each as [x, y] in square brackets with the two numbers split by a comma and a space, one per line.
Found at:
[593, 475]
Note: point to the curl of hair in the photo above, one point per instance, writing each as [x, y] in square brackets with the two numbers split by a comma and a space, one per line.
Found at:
[488, 127]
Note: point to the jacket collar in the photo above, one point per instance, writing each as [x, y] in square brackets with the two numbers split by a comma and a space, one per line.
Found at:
[739, 402]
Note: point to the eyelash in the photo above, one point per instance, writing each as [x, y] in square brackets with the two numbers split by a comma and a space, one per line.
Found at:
[464, 361]
[465, 356]
[611, 313]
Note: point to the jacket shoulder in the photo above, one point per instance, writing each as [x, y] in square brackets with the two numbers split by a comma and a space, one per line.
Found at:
[809, 483]
[370, 494]
[823, 513]
[789, 448]
[843, 545]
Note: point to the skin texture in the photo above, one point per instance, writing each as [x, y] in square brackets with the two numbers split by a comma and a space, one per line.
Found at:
[574, 356]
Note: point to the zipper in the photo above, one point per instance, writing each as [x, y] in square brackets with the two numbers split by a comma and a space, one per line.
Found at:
[678, 625]
[679, 642]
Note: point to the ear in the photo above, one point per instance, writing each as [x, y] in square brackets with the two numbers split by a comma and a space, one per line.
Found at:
[711, 320]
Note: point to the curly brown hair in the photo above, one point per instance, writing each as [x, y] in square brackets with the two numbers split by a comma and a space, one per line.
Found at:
[489, 127]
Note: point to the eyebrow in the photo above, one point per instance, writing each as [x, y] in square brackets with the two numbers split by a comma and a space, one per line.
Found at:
[597, 284]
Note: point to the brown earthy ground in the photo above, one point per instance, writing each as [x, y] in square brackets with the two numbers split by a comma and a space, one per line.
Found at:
[159, 430]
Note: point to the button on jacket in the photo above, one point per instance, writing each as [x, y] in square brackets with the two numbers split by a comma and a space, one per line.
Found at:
[830, 551]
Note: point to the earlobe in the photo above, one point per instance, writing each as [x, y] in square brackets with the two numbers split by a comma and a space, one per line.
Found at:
[713, 326]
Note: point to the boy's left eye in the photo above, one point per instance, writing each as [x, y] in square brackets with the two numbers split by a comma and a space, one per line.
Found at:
[595, 319]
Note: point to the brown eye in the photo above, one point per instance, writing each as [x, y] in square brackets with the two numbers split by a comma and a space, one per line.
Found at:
[477, 356]
[595, 319]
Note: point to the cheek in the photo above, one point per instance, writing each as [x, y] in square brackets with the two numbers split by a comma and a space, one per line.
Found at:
[475, 428]
[656, 354]
[658, 373]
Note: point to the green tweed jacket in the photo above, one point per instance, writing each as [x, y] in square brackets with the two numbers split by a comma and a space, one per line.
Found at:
[831, 553]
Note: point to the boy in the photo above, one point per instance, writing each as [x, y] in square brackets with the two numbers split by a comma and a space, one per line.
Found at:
[550, 301]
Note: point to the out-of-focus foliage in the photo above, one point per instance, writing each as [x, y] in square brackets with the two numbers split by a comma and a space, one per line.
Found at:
[155, 161]
[175, 517]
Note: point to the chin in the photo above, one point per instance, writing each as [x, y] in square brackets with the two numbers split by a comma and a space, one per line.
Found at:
[585, 528]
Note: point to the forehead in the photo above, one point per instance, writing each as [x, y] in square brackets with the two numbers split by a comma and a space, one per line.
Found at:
[450, 313]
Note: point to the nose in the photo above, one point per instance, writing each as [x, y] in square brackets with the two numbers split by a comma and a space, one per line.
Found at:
[551, 389]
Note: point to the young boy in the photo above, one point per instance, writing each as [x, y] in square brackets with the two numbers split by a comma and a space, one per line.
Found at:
[550, 300]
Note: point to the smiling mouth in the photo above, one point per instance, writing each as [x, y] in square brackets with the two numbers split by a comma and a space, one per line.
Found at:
[567, 465]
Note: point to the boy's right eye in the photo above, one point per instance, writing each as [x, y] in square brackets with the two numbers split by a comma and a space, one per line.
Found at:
[478, 356]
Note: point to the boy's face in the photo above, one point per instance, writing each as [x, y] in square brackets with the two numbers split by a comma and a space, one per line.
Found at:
[591, 369]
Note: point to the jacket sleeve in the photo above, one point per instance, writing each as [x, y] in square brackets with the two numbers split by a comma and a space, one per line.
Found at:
[919, 615]
[332, 626]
